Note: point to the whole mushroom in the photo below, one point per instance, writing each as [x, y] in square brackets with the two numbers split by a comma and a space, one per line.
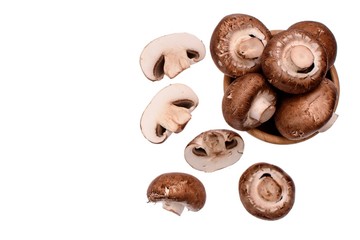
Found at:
[170, 55]
[301, 116]
[323, 34]
[266, 191]
[168, 112]
[294, 61]
[177, 190]
[248, 102]
[237, 43]
[214, 149]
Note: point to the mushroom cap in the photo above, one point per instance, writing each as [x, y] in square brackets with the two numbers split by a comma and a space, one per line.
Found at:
[169, 111]
[170, 55]
[179, 188]
[240, 98]
[323, 34]
[266, 191]
[234, 30]
[214, 149]
[282, 72]
[300, 116]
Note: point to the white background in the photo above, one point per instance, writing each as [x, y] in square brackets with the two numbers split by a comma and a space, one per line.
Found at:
[73, 161]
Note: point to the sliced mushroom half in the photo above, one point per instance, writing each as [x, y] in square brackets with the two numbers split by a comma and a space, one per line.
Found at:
[237, 43]
[168, 112]
[294, 61]
[177, 190]
[214, 149]
[301, 116]
[266, 191]
[248, 102]
[171, 54]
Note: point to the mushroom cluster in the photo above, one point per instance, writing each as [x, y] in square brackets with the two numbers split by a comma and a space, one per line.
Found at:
[276, 81]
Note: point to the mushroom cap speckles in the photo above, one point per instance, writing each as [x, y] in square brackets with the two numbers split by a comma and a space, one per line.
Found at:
[214, 149]
[300, 116]
[177, 188]
[170, 54]
[248, 102]
[237, 43]
[169, 111]
[266, 191]
[282, 72]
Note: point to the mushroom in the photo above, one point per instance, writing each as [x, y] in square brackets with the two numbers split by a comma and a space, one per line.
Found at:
[169, 111]
[214, 149]
[248, 102]
[170, 54]
[177, 190]
[301, 116]
[323, 34]
[266, 191]
[237, 43]
[294, 61]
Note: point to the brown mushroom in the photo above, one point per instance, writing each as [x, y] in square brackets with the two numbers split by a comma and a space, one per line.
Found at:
[266, 191]
[237, 43]
[323, 34]
[214, 149]
[301, 116]
[294, 61]
[177, 190]
[248, 102]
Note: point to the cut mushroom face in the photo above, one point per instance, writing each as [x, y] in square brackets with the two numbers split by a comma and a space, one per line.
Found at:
[248, 102]
[237, 43]
[294, 61]
[301, 116]
[214, 149]
[323, 34]
[169, 111]
[177, 191]
[170, 54]
[266, 191]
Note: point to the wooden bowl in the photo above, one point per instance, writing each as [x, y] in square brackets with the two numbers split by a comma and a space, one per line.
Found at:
[267, 131]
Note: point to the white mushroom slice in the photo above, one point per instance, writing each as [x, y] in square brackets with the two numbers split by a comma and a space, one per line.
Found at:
[169, 111]
[171, 54]
[214, 149]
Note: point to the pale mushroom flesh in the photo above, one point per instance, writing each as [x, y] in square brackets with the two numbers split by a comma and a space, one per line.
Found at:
[213, 150]
[168, 112]
[170, 55]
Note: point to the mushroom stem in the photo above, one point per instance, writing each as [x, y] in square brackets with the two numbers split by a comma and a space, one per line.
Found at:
[262, 108]
[302, 57]
[175, 118]
[175, 62]
[251, 48]
[329, 123]
[175, 207]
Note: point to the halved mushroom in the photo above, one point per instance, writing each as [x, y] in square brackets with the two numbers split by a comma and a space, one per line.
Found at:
[214, 149]
[266, 191]
[323, 34]
[169, 111]
[237, 43]
[301, 116]
[177, 190]
[170, 54]
[248, 102]
[294, 61]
